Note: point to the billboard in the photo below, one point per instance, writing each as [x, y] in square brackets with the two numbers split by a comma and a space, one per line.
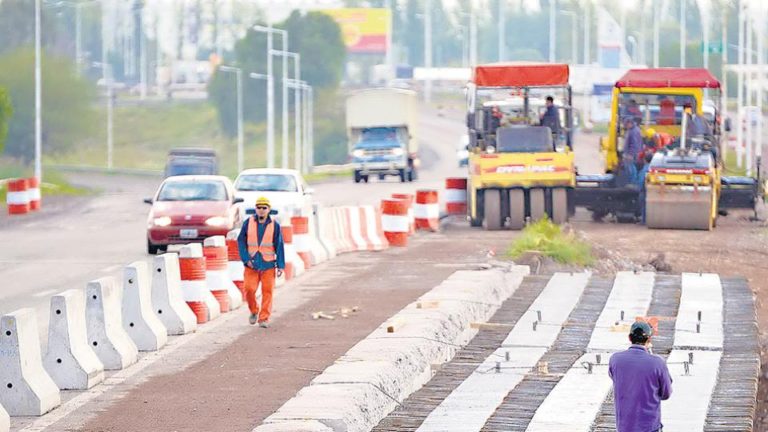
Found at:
[364, 30]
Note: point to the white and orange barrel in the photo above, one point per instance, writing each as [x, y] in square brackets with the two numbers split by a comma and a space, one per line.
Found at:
[193, 286]
[235, 266]
[456, 196]
[217, 272]
[427, 210]
[287, 232]
[17, 197]
[302, 240]
[371, 227]
[408, 198]
[33, 189]
[395, 222]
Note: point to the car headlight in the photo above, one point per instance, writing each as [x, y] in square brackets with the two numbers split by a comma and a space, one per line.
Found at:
[162, 221]
[358, 153]
[397, 151]
[216, 221]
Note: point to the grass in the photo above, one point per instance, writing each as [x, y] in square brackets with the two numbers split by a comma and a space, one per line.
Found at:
[53, 183]
[731, 166]
[549, 240]
[322, 176]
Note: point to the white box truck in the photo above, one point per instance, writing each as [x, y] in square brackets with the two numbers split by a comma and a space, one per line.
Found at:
[382, 128]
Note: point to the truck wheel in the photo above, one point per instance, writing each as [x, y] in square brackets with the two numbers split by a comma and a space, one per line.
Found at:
[492, 210]
[357, 177]
[152, 248]
[537, 206]
[402, 175]
[382, 177]
[516, 209]
[559, 206]
[412, 174]
[365, 178]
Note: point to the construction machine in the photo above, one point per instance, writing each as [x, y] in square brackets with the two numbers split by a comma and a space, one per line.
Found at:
[521, 164]
[684, 187]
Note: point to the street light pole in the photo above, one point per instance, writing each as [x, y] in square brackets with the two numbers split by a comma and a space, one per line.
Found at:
[269, 30]
[587, 24]
[740, 91]
[265, 77]
[38, 95]
[240, 134]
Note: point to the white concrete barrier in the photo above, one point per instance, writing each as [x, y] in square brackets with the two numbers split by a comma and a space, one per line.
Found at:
[5, 420]
[70, 361]
[372, 230]
[317, 249]
[26, 389]
[167, 298]
[139, 320]
[356, 228]
[356, 392]
[104, 324]
[325, 231]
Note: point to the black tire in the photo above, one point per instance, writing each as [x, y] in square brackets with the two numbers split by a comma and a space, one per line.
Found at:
[152, 248]
[492, 210]
[382, 177]
[365, 178]
[559, 206]
[402, 175]
[516, 209]
[358, 177]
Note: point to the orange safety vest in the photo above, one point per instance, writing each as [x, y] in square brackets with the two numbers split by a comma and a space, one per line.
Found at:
[266, 247]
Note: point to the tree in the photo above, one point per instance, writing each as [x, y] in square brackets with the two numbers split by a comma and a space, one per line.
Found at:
[68, 113]
[17, 25]
[6, 110]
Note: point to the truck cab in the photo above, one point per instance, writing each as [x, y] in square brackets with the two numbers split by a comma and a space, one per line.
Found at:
[191, 161]
[381, 151]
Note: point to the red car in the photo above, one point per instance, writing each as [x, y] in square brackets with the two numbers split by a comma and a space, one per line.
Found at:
[187, 209]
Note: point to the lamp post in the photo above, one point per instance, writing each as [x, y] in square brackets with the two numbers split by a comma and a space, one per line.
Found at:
[107, 68]
[240, 136]
[297, 102]
[304, 156]
[259, 76]
[682, 33]
[270, 31]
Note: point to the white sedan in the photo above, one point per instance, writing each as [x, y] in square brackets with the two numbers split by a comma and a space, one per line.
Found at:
[286, 190]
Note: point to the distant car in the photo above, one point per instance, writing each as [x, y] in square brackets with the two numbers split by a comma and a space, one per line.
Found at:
[191, 161]
[285, 188]
[462, 150]
[187, 209]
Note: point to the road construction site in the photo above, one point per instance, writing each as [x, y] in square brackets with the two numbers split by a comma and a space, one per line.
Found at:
[468, 339]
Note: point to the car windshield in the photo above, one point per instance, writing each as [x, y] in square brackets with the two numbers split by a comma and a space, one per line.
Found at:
[267, 183]
[193, 191]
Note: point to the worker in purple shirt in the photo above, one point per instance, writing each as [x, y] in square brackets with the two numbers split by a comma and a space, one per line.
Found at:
[640, 382]
[633, 145]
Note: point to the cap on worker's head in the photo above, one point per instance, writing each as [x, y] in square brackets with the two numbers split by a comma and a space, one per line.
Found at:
[628, 119]
[641, 328]
[650, 132]
[263, 201]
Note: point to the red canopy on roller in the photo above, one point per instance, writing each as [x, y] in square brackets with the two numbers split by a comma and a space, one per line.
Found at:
[668, 77]
[521, 75]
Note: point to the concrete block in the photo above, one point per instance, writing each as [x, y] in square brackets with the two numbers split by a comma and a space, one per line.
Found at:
[139, 320]
[5, 420]
[293, 426]
[70, 361]
[104, 324]
[167, 298]
[323, 224]
[26, 389]
[318, 251]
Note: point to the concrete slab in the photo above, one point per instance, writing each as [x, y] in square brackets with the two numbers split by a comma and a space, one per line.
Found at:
[686, 410]
[702, 296]
[630, 297]
[5, 420]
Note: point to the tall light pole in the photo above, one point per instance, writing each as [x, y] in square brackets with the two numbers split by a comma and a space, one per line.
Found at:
[552, 30]
[38, 95]
[240, 135]
[270, 31]
[258, 76]
[682, 33]
[428, 50]
[296, 76]
[107, 68]
[705, 16]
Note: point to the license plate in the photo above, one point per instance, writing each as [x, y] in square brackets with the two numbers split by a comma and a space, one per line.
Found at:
[188, 233]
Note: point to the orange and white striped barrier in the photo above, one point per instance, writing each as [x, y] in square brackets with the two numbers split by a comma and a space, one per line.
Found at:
[302, 240]
[456, 196]
[192, 270]
[235, 266]
[372, 230]
[427, 210]
[408, 198]
[17, 197]
[342, 233]
[217, 274]
[33, 190]
[395, 222]
[355, 228]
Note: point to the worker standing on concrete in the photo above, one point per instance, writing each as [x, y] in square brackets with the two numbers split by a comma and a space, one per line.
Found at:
[261, 248]
[633, 145]
[641, 381]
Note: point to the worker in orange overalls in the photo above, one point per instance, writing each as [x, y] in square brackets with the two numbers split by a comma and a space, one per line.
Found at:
[261, 248]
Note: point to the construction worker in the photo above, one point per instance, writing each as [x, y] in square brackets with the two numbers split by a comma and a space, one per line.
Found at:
[641, 381]
[633, 145]
[550, 117]
[640, 182]
[261, 248]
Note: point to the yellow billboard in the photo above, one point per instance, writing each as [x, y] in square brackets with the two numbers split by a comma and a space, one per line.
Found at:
[365, 30]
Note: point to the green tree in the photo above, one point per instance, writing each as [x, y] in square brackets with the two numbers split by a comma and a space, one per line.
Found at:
[6, 110]
[17, 25]
[68, 113]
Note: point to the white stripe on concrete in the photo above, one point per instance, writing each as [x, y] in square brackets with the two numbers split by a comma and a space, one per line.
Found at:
[700, 293]
[686, 410]
[568, 407]
[631, 294]
[391, 223]
[470, 405]
[426, 211]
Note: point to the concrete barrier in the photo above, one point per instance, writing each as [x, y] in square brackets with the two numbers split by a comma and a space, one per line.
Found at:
[355, 228]
[70, 361]
[357, 391]
[302, 240]
[372, 230]
[167, 298]
[5, 420]
[104, 324]
[325, 231]
[26, 389]
[319, 253]
[217, 272]
[139, 320]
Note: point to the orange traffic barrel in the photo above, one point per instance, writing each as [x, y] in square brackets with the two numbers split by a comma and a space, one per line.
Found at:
[17, 197]
[408, 198]
[193, 286]
[456, 196]
[395, 221]
[427, 210]
[301, 240]
[33, 189]
[287, 232]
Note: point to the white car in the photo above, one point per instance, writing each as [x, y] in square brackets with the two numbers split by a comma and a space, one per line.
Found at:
[462, 150]
[285, 189]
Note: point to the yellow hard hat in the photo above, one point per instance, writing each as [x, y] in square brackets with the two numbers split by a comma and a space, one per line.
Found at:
[263, 201]
[650, 132]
